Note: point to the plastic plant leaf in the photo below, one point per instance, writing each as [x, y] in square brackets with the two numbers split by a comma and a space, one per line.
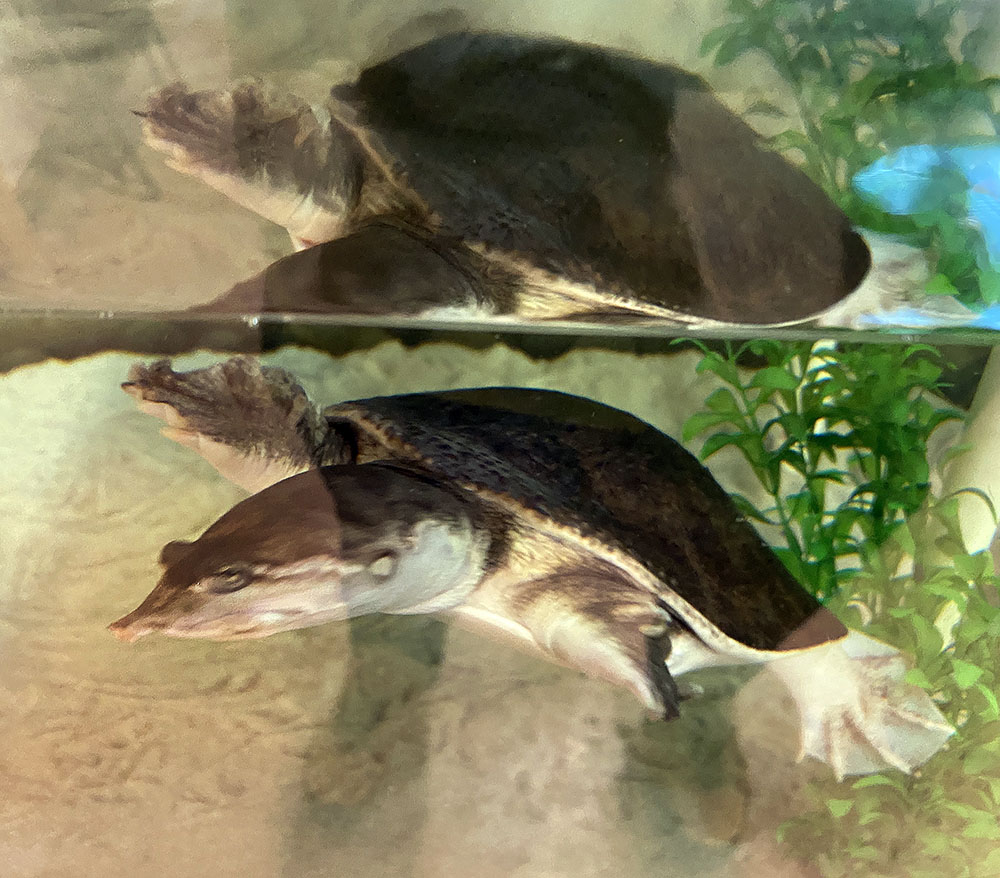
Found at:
[970, 567]
[983, 825]
[774, 378]
[839, 807]
[992, 710]
[989, 285]
[747, 444]
[724, 402]
[979, 761]
[699, 422]
[991, 865]
[749, 510]
[937, 844]
[965, 673]
[940, 285]
[878, 780]
[719, 35]
[917, 677]
[721, 366]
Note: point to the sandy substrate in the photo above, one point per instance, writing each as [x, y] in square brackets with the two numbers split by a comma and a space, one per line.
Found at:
[388, 747]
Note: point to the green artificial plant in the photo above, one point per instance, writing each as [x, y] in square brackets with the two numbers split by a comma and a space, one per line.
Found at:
[945, 818]
[837, 437]
[868, 77]
[818, 421]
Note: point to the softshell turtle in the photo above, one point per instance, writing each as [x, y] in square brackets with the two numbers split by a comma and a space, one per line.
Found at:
[491, 175]
[570, 528]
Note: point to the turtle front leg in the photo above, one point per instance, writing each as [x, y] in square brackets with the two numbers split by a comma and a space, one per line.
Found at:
[590, 619]
[267, 151]
[254, 424]
[625, 642]
[857, 712]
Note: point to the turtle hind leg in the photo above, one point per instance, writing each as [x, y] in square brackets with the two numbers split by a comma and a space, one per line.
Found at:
[254, 424]
[268, 152]
[857, 712]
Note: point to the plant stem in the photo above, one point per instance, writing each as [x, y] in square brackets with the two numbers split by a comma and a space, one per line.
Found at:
[772, 486]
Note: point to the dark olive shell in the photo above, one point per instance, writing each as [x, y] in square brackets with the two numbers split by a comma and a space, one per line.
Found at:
[613, 480]
[608, 169]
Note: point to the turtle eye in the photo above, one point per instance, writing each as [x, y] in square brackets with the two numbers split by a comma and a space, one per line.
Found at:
[229, 579]
[383, 566]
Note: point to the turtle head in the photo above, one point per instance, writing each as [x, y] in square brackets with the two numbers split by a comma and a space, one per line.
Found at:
[324, 545]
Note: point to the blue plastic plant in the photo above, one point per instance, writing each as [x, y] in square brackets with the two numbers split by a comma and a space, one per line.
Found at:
[871, 77]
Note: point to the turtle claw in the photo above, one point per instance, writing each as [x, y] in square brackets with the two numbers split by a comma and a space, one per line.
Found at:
[857, 712]
[265, 150]
[255, 425]
[197, 130]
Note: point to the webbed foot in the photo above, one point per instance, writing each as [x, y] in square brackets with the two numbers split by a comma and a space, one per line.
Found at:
[254, 424]
[265, 150]
[857, 712]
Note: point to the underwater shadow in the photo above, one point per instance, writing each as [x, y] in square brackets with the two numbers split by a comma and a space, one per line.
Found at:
[685, 780]
[363, 771]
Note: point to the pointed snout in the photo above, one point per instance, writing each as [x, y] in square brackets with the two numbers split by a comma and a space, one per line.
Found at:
[131, 627]
[144, 619]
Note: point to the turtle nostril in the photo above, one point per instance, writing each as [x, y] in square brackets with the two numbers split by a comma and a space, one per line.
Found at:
[129, 630]
[125, 633]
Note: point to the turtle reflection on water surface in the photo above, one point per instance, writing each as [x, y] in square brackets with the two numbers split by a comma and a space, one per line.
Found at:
[496, 176]
[562, 525]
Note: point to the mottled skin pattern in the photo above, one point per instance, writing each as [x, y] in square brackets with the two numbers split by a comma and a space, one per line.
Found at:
[305, 516]
[612, 478]
[265, 127]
